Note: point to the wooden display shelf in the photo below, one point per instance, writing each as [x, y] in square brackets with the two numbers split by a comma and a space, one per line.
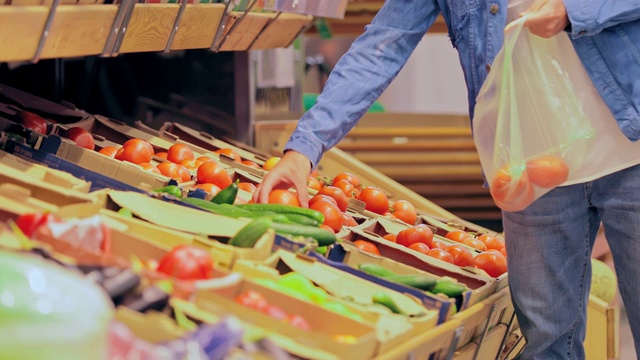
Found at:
[82, 30]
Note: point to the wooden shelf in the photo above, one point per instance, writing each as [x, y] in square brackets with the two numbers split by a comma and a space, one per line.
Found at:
[360, 13]
[82, 30]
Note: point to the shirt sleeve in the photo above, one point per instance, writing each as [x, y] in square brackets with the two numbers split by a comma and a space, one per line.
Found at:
[589, 17]
[362, 74]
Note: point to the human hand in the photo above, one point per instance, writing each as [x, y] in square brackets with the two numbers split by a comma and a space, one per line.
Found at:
[546, 18]
[292, 170]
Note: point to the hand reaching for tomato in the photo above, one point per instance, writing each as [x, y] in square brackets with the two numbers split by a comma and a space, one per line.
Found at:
[291, 171]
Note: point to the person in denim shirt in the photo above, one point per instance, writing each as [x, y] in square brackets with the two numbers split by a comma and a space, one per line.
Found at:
[549, 243]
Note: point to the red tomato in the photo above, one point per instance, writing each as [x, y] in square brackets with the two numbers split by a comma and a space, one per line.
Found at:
[30, 222]
[375, 200]
[191, 164]
[547, 171]
[461, 255]
[366, 246]
[187, 262]
[137, 141]
[80, 136]
[161, 155]
[348, 220]
[475, 243]
[441, 254]
[320, 197]
[414, 234]
[405, 211]
[185, 175]
[314, 183]
[252, 299]
[337, 194]
[420, 247]
[149, 167]
[353, 179]
[230, 153]
[328, 228]
[275, 312]
[282, 196]
[179, 152]
[32, 121]
[250, 163]
[109, 151]
[247, 186]
[136, 151]
[511, 194]
[457, 235]
[492, 262]
[170, 169]
[299, 322]
[390, 237]
[204, 159]
[210, 172]
[332, 214]
[439, 244]
[210, 188]
[347, 188]
[491, 242]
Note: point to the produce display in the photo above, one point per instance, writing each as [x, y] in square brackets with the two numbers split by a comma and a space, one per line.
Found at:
[186, 259]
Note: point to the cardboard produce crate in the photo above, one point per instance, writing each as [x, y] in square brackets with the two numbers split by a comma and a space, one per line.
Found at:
[393, 329]
[322, 333]
[375, 229]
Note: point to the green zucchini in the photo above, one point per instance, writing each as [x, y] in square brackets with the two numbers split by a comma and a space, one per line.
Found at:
[449, 288]
[376, 270]
[227, 195]
[220, 209]
[284, 209]
[249, 234]
[323, 237]
[383, 298]
[418, 281]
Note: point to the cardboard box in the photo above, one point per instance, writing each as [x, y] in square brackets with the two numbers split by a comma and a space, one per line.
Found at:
[490, 347]
[602, 339]
[42, 183]
[352, 257]
[325, 324]
[195, 222]
[393, 329]
[374, 230]
[208, 141]
[480, 319]
[98, 181]
[436, 343]
[38, 172]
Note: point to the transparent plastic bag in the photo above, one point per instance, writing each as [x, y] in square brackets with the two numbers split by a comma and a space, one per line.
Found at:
[534, 119]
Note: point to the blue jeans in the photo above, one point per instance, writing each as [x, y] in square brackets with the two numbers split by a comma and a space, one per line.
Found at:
[549, 248]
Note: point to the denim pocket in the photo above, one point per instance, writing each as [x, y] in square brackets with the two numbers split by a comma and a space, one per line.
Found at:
[459, 18]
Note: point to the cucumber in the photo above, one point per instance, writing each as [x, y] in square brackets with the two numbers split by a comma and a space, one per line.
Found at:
[284, 209]
[323, 237]
[383, 298]
[250, 233]
[220, 209]
[302, 219]
[227, 195]
[275, 217]
[376, 270]
[448, 288]
[418, 281]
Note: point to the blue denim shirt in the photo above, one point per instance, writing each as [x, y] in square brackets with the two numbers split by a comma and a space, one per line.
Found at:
[605, 33]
